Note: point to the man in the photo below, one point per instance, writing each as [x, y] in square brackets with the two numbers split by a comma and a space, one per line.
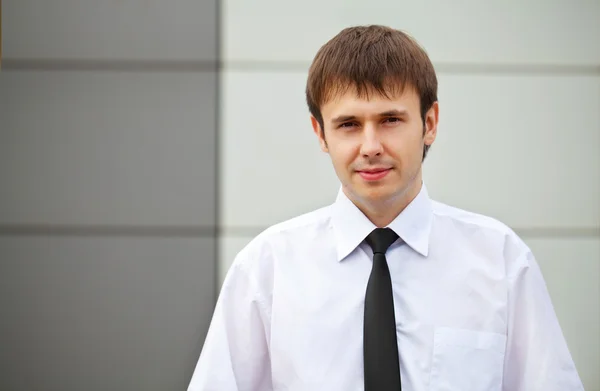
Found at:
[385, 289]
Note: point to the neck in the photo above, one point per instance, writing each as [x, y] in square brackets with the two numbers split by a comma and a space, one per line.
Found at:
[383, 212]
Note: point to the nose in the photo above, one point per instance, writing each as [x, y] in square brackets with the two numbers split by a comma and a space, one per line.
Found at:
[371, 144]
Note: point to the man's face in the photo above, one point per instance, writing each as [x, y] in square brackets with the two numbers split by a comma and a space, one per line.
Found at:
[376, 145]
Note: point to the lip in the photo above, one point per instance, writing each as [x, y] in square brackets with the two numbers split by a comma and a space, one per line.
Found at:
[374, 174]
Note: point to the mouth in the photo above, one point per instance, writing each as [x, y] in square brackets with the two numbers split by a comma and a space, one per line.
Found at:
[374, 174]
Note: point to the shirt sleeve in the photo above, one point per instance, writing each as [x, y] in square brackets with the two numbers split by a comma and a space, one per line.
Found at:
[235, 355]
[537, 356]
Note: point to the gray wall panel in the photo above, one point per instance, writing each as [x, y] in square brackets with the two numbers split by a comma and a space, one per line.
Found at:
[108, 143]
[108, 30]
[101, 314]
[104, 148]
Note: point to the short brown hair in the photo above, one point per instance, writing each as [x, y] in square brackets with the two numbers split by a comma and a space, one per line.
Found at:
[370, 58]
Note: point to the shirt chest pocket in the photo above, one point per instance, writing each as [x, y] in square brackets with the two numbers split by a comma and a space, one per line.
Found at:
[467, 360]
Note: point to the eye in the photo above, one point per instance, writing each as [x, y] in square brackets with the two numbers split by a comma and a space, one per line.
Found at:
[393, 120]
[347, 125]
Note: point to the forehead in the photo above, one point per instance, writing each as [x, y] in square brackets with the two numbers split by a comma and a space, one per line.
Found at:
[351, 99]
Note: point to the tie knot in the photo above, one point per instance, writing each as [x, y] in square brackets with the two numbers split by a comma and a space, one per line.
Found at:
[380, 239]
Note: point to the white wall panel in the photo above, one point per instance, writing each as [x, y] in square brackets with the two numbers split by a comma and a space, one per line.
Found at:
[465, 31]
[519, 137]
[523, 149]
[271, 164]
[229, 247]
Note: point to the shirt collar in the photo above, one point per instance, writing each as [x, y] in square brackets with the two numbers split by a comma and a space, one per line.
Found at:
[412, 225]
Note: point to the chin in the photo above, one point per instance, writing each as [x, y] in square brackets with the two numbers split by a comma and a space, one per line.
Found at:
[376, 192]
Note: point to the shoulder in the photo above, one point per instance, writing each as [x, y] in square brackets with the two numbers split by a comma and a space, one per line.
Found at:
[482, 229]
[297, 226]
[258, 254]
[468, 218]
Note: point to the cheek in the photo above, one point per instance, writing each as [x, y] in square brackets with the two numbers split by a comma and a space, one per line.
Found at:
[343, 153]
[405, 146]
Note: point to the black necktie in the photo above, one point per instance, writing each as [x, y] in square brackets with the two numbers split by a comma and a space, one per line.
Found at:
[380, 349]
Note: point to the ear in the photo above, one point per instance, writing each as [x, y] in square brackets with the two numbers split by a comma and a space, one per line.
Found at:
[431, 124]
[320, 133]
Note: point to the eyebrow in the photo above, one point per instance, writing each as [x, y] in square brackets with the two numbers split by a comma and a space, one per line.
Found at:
[393, 113]
[343, 118]
[389, 113]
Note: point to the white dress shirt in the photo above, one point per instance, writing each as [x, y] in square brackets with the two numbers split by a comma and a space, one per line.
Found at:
[472, 309]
